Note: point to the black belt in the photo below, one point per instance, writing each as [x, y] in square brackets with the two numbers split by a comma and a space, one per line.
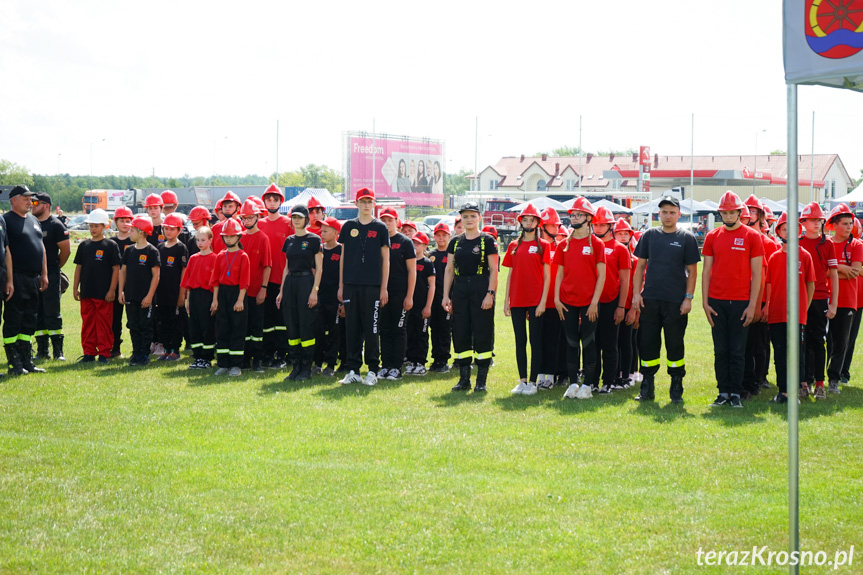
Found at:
[26, 273]
[297, 274]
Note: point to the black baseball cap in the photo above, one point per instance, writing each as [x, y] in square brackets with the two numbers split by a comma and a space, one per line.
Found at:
[469, 207]
[669, 200]
[20, 191]
[43, 197]
[300, 209]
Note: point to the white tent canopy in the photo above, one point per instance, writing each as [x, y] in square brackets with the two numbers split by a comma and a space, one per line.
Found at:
[856, 196]
[652, 207]
[613, 207]
[321, 194]
[540, 204]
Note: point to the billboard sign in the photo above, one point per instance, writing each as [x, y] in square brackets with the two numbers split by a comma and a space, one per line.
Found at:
[409, 169]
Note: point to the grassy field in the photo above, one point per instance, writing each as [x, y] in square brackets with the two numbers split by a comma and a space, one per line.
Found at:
[159, 469]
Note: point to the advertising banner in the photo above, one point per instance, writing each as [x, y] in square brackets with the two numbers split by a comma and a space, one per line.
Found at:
[409, 169]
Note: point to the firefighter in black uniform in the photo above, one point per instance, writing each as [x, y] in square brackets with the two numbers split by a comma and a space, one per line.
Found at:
[55, 237]
[30, 276]
[471, 273]
[299, 294]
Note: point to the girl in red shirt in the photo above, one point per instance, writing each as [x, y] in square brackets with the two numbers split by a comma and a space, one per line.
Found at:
[526, 294]
[578, 285]
[199, 299]
[230, 280]
[626, 336]
[552, 368]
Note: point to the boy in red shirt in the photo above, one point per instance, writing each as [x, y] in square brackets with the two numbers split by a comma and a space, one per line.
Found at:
[553, 369]
[199, 299]
[730, 294]
[256, 245]
[278, 228]
[776, 307]
[230, 281]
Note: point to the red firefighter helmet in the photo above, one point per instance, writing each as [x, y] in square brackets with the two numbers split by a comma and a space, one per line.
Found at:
[580, 204]
[753, 202]
[622, 226]
[231, 197]
[730, 202]
[768, 214]
[169, 197]
[173, 221]
[143, 223]
[840, 210]
[218, 207]
[199, 213]
[231, 227]
[812, 211]
[857, 230]
[314, 203]
[274, 189]
[123, 212]
[549, 216]
[783, 220]
[603, 216]
[153, 200]
[249, 208]
[529, 210]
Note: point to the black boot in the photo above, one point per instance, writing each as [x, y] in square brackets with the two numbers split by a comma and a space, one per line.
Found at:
[42, 347]
[646, 393]
[13, 358]
[295, 361]
[463, 379]
[305, 372]
[481, 376]
[676, 391]
[25, 349]
[57, 344]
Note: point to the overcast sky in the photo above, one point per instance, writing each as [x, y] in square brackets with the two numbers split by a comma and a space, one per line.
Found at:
[182, 87]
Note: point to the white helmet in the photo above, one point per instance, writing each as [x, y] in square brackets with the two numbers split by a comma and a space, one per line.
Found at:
[98, 216]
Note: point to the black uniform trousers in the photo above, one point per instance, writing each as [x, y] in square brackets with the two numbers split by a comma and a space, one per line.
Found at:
[230, 327]
[48, 318]
[117, 324]
[756, 357]
[362, 309]
[520, 316]
[729, 344]
[169, 325]
[328, 336]
[140, 323]
[553, 344]
[816, 334]
[852, 338]
[472, 326]
[418, 336]
[255, 330]
[275, 333]
[393, 327]
[300, 320]
[580, 339]
[19, 317]
[837, 341]
[658, 317]
[202, 325]
[441, 330]
[779, 338]
[606, 342]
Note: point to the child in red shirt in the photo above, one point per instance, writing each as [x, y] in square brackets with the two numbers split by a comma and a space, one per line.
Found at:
[230, 281]
[526, 293]
[199, 299]
[776, 308]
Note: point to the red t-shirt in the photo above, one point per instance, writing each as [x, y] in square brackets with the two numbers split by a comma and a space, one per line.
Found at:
[549, 301]
[579, 262]
[277, 231]
[257, 247]
[314, 229]
[526, 278]
[846, 254]
[199, 271]
[231, 269]
[770, 248]
[732, 252]
[633, 263]
[777, 277]
[616, 259]
[823, 258]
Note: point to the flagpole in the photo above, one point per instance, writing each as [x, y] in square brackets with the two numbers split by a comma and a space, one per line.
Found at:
[793, 335]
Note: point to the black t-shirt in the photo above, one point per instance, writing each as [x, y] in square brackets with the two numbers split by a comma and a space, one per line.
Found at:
[471, 256]
[362, 251]
[401, 250]
[330, 275]
[3, 245]
[25, 242]
[192, 246]
[157, 237]
[97, 261]
[439, 259]
[172, 262]
[53, 232]
[425, 269]
[122, 244]
[300, 251]
[139, 271]
[667, 256]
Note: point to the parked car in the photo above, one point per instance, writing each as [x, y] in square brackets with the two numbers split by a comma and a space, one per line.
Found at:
[432, 221]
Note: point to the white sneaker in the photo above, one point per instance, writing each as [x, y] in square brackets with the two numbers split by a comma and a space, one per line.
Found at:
[637, 377]
[584, 392]
[571, 391]
[370, 379]
[419, 370]
[394, 375]
[409, 369]
[382, 373]
[529, 389]
[222, 371]
[519, 389]
[159, 349]
[350, 378]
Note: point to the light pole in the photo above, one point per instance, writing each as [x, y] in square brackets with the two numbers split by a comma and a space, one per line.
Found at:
[91, 155]
[58, 162]
[755, 160]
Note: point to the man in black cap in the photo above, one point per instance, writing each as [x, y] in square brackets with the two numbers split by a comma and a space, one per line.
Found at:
[29, 277]
[55, 237]
[671, 257]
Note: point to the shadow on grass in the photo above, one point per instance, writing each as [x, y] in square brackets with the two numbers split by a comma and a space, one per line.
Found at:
[454, 398]
[662, 413]
[754, 409]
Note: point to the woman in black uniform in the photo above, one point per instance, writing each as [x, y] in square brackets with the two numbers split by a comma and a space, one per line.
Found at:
[469, 287]
[299, 294]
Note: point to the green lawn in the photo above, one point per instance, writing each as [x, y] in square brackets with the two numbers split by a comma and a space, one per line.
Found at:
[159, 469]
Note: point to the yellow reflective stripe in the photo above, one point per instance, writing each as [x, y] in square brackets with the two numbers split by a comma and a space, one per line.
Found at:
[236, 352]
[40, 332]
[253, 338]
[463, 355]
[223, 351]
[484, 355]
[207, 346]
[308, 343]
[269, 329]
[194, 345]
[281, 328]
[678, 363]
[294, 341]
[55, 332]
[24, 337]
[8, 340]
[649, 363]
